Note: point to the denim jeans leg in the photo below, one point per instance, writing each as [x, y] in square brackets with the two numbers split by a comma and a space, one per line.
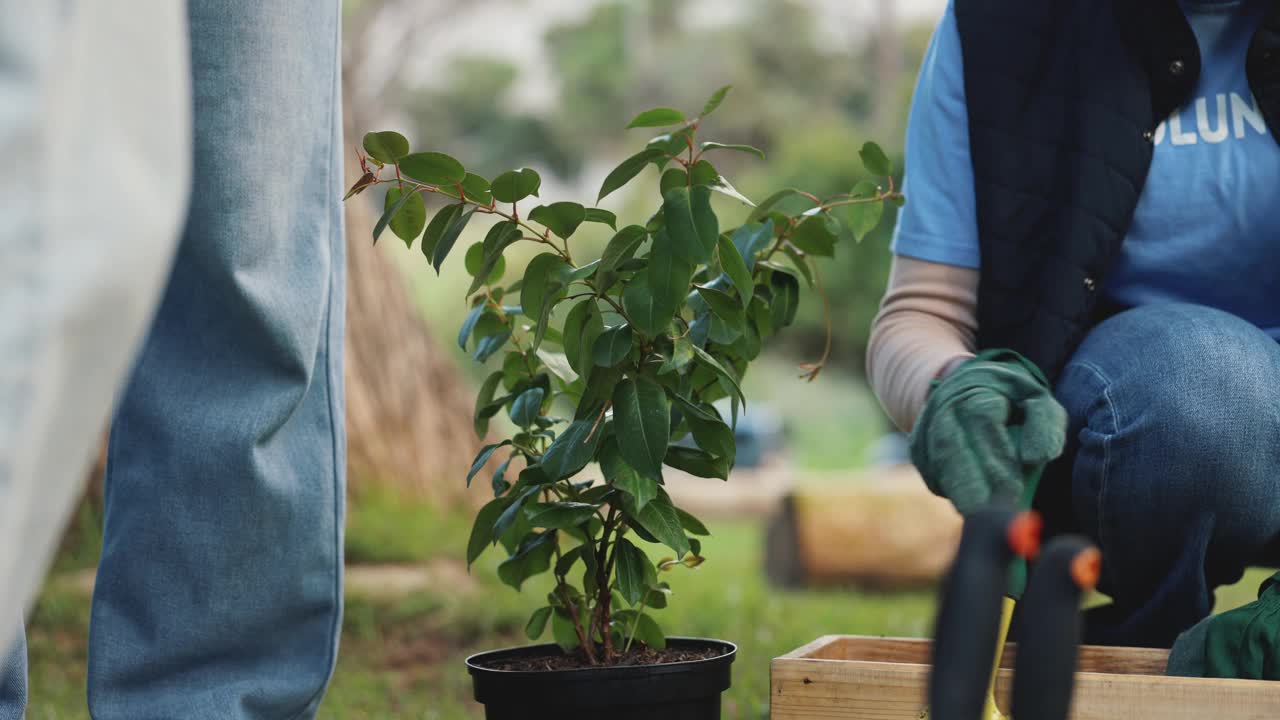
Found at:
[220, 585]
[1175, 423]
[13, 680]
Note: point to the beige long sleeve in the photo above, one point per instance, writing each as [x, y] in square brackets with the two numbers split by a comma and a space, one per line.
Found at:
[927, 319]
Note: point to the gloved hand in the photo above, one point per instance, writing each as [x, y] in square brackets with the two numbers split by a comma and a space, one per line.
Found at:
[987, 426]
[1242, 643]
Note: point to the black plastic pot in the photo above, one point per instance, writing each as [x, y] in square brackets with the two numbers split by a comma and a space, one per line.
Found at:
[674, 691]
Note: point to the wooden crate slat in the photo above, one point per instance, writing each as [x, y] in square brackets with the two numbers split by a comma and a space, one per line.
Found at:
[861, 678]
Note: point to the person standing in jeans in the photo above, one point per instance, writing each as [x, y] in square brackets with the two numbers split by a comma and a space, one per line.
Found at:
[219, 591]
[1086, 273]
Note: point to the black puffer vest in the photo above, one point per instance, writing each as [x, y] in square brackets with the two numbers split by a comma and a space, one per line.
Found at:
[1063, 98]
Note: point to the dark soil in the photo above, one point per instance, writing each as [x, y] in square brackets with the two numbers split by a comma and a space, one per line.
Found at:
[577, 660]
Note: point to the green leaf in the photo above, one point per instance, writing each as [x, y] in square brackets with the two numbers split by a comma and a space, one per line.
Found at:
[533, 557]
[874, 160]
[736, 269]
[499, 482]
[786, 299]
[740, 148]
[690, 222]
[659, 519]
[621, 247]
[814, 237]
[575, 447]
[862, 218]
[726, 188]
[604, 217]
[537, 623]
[481, 270]
[697, 462]
[681, 354]
[581, 328]
[469, 325]
[563, 631]
[725, 307]
[432, 168]
[691, 524]
[477, 189]
[657, 117]
[642, 424]
[386, 147]
[449, 237]
[761, 316]
[628, 169]
[630, 571]
[474, 189]
[390, 213]
[703, 173]
[558, 364]
[485, 453]
[567, 560]
[801, 263]
[714, 101]
[672, 179]
[598, 390]
[515, 185]
[482, 530]
[562, 218]
[407, 222]
[612, 346]
[649, 633]
[561, 515]
[672, 143]
[544, 279]
[763, 208]
[437, 227]
[527, 407]
[669, 275]
[513, 517]
[483, 400]
[709, 431]
[498, 239]
[751, 239]
[656, 598]
[642, 489]
[490, 344]
[720, 372]
[650, 311]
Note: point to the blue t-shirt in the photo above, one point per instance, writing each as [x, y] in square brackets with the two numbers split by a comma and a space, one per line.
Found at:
[1205, 229]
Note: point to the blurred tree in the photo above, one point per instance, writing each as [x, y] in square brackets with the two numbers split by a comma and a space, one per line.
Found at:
[408, 409]
[469, 116]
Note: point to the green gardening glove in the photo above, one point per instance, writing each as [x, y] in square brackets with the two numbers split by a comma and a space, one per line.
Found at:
[1242, 643]
[987, 427]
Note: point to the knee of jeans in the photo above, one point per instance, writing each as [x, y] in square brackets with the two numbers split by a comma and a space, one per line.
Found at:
[1214, 426]
[1191, 387]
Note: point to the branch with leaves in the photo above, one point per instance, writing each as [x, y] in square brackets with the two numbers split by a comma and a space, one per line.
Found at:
[623, 362]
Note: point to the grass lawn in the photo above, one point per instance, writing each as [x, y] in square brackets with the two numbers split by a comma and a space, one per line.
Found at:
[402, 657]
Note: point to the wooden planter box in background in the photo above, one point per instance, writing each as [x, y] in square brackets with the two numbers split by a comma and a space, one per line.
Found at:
[842, 677]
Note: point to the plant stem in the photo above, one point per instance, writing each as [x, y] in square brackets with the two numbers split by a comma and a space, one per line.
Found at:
[577, 626]
[813, 369]
[631, 636]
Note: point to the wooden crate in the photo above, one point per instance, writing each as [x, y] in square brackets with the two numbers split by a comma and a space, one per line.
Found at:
[848, 677]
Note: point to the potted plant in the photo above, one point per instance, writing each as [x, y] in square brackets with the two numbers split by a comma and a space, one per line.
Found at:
[615, 362]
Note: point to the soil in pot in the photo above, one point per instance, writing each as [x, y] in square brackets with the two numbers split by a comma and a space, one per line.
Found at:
[683, 682]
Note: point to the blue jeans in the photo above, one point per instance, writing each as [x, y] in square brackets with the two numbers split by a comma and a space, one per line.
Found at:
[1174, 446]
[219, 590]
